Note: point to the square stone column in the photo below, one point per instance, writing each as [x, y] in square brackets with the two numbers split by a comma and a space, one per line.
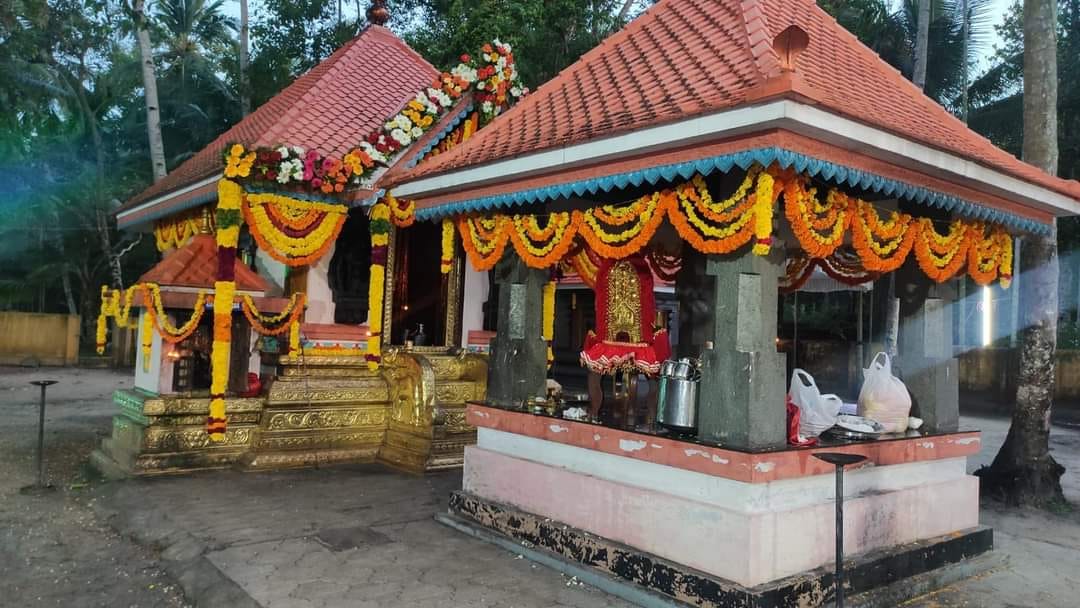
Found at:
[742, 394]
[925, 345]
[517, 368]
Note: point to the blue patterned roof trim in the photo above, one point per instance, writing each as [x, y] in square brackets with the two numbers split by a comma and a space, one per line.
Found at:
[765, 156]
[438, 138]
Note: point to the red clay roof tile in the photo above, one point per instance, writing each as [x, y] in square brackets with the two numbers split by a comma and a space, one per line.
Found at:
[330, 108]
[687, 57]
[195, 265]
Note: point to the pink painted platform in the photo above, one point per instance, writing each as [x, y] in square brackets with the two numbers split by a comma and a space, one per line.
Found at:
[747, 467]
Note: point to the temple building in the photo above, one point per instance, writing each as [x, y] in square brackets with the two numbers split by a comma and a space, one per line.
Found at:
[732, 147]
[336, 329]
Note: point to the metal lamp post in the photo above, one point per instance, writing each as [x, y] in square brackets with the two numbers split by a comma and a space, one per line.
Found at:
[839, 461]
[40, 485]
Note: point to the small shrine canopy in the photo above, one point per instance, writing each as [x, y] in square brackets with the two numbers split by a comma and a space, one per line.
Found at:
[195, 266]
[329, 109]
[694, 86]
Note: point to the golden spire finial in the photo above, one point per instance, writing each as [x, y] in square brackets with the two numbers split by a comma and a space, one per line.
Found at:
[377, 13]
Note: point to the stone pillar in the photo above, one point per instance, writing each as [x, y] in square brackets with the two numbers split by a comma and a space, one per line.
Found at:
[741, 402]
[926, 361]
[518, 363]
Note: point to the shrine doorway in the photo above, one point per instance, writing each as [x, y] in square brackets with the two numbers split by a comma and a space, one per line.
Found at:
[350, 269]
[419, 296]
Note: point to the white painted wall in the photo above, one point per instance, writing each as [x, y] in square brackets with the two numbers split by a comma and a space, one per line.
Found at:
[472, 306]
[271, 270]
[148, 371]
[320, 300]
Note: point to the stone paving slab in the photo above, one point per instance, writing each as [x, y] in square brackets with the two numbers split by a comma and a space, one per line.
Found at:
[358, 537]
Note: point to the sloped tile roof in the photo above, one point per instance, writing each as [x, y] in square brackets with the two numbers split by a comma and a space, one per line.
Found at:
[195, 265]
[683, 58]
[330, 108]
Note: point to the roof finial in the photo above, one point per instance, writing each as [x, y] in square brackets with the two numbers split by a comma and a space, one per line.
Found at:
[377, 13]
[789, 44]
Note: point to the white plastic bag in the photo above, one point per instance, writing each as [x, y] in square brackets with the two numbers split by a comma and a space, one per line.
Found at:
[817, 412]
[884, 397]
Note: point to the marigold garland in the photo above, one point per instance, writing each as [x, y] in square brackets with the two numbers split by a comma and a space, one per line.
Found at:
[529, 239]
[484, 246]
[268, 217]
[173, 233]
[228, 218]
[402, 213]
[446, 262]
[380, 240]
[492, 79]
[167, 330]
[146, 334]
[819, 227]
[274, 325]
[941, 256]
[882, 246]
[549, 319]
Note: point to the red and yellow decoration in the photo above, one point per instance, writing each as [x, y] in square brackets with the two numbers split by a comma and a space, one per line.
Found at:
[292, 231]
[380, 242]
[230, 201]
[402, 213]
[169, 332]
[843, 265]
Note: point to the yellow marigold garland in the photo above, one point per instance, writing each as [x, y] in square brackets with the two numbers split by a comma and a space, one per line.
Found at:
[230, 201]
[275, 325]
[167, 330]
[559, 233]
[446, 262]
[990, 256]
[484, 245]
[630, 240]
[819, 227]
[402, 214]
[549, 319]
[941, 256]
[380, 240]
[174, 232]
[146, 334]
[293, 250]
[763, 213]
[882, 246]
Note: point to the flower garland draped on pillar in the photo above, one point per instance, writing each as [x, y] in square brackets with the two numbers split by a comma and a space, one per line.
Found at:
[380, 244]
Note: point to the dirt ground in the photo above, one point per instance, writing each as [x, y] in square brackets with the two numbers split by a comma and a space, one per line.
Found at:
[54, 551]
[64, 548]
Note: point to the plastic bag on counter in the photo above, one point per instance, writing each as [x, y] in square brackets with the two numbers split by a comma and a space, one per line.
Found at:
[884, 397]
[817, 412]
[794, 437]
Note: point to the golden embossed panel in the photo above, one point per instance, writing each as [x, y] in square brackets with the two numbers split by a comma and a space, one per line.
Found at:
[623, 303]
[323, 419]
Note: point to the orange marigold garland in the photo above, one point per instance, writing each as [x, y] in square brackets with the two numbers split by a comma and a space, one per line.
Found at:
[618, 245]
[167, 330]
[292, 231]
[990, 256]
[544, 247]
[819, 227]
[484, 239]
[274, 325]
[882, 246]
[941, 256]
[402, 213]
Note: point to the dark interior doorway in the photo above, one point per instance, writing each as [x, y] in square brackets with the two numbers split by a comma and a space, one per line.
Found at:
[350, 269]
[419, 288]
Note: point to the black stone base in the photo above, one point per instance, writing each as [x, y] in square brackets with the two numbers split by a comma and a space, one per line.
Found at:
[666, 579]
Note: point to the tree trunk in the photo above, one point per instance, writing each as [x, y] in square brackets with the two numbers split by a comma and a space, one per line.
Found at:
[153, 111]
[922, 41]
[245, 86]
[625, 10]
[1023, 472]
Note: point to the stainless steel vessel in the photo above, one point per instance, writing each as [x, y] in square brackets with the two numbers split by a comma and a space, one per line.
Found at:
[677, 395]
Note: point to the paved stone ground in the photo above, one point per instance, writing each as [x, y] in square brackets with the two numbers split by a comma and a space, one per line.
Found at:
[350, 536]
[54, 550]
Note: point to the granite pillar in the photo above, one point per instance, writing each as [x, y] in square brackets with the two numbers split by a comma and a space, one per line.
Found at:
[694, 290]
[518, 363]
[741, 401]
[926, 362]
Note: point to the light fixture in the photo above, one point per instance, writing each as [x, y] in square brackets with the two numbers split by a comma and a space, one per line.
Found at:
[987, 316]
